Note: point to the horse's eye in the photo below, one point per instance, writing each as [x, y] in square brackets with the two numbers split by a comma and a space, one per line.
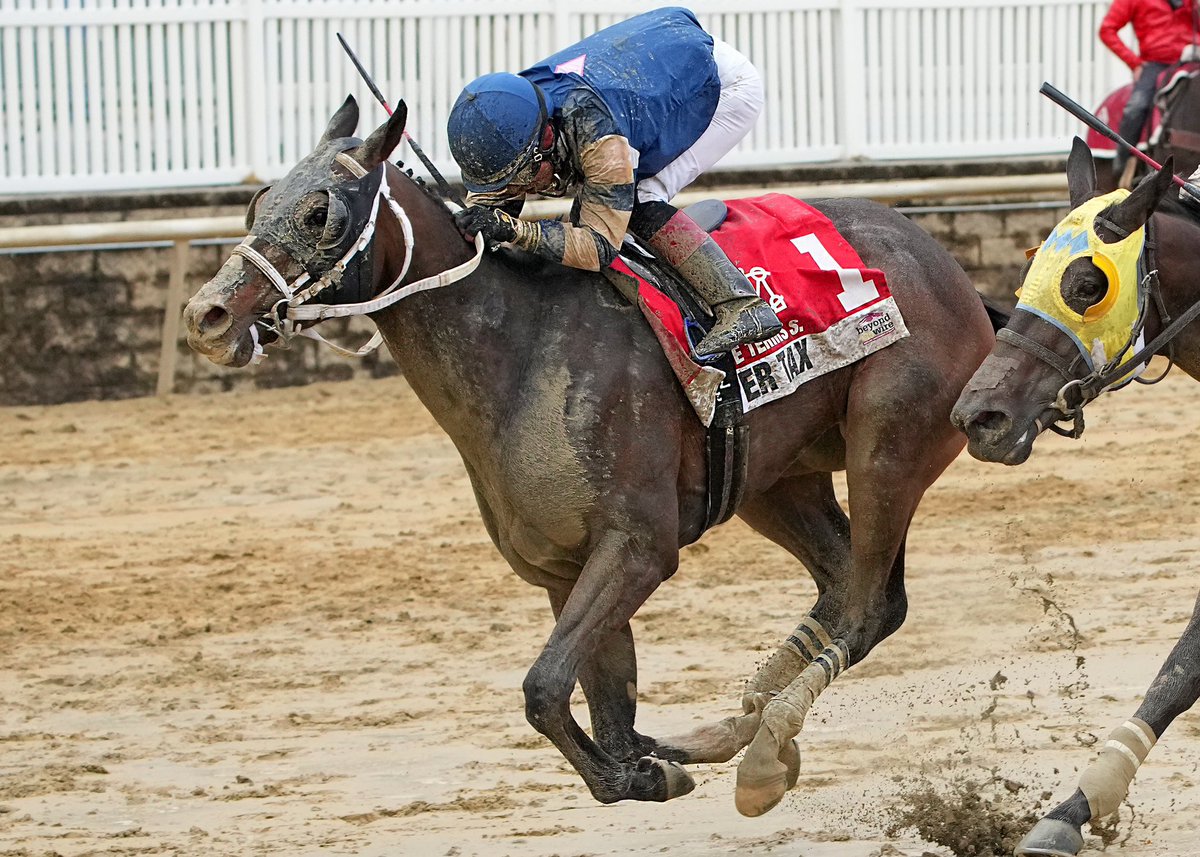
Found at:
[312, 212]
[1083, 285]
[315, 217]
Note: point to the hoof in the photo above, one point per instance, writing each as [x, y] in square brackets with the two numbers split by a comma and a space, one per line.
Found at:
[677, 781]
[1050, 838]
[790, 756]
[753, 702]
[759, 794]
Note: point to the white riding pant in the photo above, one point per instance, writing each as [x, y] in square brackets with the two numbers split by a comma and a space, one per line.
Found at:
[738, 108]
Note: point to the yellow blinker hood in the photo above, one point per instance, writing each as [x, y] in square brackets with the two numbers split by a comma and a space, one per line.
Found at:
[1107, 326]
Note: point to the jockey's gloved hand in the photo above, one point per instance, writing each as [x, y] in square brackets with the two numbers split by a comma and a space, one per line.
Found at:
[1189, 195]
[496, 226]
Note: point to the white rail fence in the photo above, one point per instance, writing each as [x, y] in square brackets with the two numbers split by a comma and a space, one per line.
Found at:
[131, 94]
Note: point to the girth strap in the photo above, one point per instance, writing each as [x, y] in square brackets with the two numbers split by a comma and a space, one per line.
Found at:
[726, 449]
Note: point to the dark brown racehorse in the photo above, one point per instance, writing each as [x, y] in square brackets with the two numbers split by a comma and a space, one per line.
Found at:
[1018, 391]
[588, 462]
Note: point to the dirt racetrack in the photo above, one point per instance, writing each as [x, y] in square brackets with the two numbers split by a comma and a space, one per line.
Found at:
[271, 623]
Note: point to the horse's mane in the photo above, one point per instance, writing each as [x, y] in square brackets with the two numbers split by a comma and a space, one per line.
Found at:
[430, 191]
[1172, 206]
[528, 264]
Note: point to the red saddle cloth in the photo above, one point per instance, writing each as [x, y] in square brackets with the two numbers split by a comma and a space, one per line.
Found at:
[1110, 112]
[834, 310]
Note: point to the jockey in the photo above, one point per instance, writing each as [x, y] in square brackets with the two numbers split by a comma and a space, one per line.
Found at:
[629, 116]
[1163, 28]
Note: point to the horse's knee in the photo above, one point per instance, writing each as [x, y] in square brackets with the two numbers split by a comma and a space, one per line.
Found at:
[547, 690]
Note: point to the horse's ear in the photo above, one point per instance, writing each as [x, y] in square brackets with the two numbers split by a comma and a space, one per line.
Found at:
[343, 123]
[1081, 173]
[384, 139]
[1133, 212]
[252, 208]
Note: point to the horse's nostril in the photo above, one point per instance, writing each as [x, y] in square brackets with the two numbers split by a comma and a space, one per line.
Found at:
[995, 422]
[214, 317]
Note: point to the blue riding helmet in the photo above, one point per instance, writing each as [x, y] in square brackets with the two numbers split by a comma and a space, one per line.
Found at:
[495, 129]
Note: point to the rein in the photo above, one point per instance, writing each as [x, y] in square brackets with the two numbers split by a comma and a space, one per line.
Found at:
[293, 308]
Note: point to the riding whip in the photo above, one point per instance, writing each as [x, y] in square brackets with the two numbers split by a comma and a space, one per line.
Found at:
[417, 150]
[1092, 121]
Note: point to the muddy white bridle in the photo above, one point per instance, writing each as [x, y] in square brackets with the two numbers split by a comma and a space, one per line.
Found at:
[287, 315]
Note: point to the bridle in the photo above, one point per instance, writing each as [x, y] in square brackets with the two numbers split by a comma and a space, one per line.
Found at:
[1080, 390]
[287, 318]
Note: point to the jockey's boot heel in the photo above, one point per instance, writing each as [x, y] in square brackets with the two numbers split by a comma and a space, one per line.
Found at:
[741, 315]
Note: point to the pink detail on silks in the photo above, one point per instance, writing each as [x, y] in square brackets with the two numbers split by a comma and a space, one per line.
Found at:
[574, 66]
[678, 239]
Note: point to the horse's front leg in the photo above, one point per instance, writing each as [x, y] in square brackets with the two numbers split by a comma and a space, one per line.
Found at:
[617, 578]
[609, 680]
[1105, 782]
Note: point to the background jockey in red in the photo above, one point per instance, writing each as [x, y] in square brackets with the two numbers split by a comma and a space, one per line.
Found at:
[1163, 28]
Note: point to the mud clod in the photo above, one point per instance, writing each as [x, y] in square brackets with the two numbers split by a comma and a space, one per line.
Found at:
[972, 819]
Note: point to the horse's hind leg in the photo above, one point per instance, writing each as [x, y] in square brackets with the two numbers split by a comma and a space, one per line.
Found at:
[894, 451]
[1106, 781]
[802, 515]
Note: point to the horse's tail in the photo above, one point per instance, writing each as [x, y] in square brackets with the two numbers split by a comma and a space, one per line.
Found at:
[997, 315]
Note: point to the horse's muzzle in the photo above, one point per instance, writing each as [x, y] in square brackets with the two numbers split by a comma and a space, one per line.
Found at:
[992, 435]
[212, 331]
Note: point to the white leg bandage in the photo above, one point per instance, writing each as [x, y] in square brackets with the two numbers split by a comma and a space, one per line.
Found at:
[784, 715]
[1106, 781]
[799, 650]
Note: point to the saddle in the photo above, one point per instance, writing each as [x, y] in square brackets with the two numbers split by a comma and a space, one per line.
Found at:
[834, 310]
[643, 262]
[1173, 85]
[1174, 127]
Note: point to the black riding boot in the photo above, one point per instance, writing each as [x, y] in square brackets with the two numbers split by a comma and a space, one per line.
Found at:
[741, 315]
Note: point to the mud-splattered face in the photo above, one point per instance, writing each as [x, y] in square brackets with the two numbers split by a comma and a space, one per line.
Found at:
[1011, 397]
[318, 210]
[310, 230]
[302, 225]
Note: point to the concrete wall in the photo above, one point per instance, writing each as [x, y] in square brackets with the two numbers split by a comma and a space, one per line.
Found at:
[991, 244]
[86, 324]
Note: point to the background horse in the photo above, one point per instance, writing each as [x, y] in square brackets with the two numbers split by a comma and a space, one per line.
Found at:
[587, 460]
[1019, 390]
[1172, 129]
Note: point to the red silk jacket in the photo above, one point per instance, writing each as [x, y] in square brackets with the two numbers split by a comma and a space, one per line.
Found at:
[1162, 32]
